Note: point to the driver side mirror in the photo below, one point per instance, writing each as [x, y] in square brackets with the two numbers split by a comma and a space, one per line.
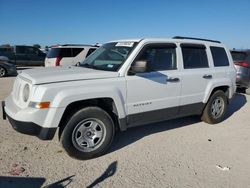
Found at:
[138, 67]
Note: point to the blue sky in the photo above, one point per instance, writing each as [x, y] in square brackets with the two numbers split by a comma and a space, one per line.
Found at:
[48, 22]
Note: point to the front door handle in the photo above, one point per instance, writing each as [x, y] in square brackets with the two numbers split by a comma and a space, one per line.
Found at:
[207, 76]
[171, 79]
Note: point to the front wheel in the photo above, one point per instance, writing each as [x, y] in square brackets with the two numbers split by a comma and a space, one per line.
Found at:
[88, 133]
[215, 109]
[2, 72]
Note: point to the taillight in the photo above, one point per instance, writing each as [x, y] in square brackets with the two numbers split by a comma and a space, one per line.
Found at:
[241, 63]
[58, 59]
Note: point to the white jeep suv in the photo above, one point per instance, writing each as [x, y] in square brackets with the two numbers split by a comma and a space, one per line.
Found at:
[68, 54]
[122, 84]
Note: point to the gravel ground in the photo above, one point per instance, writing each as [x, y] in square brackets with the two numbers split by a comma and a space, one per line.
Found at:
[177, 153]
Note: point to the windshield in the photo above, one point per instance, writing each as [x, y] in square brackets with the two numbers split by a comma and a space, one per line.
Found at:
[109, 56]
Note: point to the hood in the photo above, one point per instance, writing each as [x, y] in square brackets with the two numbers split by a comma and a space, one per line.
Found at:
[63, 74]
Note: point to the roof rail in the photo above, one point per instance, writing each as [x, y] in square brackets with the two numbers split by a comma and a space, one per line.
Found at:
[180, 37]
[76, 45]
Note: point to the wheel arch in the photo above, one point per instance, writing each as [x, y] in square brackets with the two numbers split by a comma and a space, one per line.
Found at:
[105, 103]
[224, 88]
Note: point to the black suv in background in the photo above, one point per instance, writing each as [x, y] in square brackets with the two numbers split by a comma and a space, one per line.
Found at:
[23, 55]
[241, 60]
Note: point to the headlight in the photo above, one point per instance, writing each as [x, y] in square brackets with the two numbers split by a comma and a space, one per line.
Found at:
[26, 92]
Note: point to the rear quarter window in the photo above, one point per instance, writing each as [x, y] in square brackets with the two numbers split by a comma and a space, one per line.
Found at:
[91, 50]
[59, 52]
[76, 51]
[219, 56]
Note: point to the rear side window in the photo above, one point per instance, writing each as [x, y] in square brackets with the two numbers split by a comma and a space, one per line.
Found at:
[219, 56]
[194, 56]
[31, 51]
[59, 52]
[20, 49]
[76, 51]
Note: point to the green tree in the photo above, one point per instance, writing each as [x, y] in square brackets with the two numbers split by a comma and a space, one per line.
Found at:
[37, 45]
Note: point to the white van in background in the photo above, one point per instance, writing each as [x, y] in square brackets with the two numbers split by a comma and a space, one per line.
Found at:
[68, 54]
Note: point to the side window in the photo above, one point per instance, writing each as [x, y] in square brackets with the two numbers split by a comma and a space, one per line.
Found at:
[76, 51]
[20, 50]
[91, 50]
[31, 51]
[2, 49]
[219, 56]
[194, 56]
[159, 57]
[65, 52]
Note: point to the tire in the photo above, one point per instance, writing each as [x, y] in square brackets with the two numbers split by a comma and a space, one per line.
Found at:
[248, 91]
[88, 133]
[3, 72]
[215, 109]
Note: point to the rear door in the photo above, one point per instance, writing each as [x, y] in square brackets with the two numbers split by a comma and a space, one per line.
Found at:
[78, 55]
[196, 75]
[21, 56]
[65, 56]
[58, 56]
[155, 94]
[34, 56]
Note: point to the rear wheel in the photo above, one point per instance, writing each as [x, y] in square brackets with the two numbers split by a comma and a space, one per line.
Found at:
[88, 133]
[215, 109]
[2, 72]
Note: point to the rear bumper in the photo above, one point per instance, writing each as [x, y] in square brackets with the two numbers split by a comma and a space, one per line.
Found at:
[29, 128]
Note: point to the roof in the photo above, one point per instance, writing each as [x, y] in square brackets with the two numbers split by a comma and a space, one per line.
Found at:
[174, 39]
[74, 46]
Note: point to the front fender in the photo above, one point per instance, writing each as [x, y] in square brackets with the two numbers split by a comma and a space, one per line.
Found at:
[66, 97]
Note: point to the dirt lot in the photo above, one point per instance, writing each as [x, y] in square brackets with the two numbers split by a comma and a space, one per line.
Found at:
[178, 153]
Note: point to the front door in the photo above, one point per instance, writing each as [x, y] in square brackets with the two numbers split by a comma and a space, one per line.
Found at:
[154, 95]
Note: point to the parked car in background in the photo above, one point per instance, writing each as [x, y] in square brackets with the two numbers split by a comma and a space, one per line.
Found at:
[241, 60]
[6, 68]
[68, 54]
[23, 55]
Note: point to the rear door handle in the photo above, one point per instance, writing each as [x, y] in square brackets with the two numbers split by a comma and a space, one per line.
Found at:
[170, 79]
[207, 76]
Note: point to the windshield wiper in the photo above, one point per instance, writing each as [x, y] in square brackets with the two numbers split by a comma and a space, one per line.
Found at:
[86, 65]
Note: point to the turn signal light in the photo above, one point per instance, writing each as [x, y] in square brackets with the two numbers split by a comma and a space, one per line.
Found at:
[40, 105]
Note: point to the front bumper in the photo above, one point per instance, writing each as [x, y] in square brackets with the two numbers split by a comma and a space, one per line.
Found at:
[29, 128]
[12, 71]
